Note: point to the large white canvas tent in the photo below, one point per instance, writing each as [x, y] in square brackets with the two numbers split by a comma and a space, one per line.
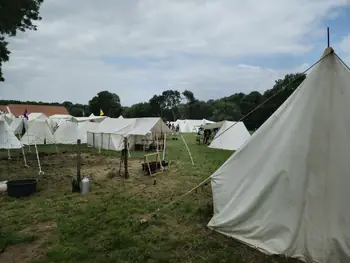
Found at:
[111, 132]
[287, 190]
[38, 132]
[7, 138]
[231, 135]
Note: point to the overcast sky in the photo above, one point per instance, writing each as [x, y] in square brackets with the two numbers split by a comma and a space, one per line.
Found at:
[137, 48]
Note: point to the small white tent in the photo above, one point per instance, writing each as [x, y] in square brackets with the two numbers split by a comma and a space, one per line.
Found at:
[7, 138]
[286, 191]
[231, 136]
[36, 116]
[38, 132]
[191, 125]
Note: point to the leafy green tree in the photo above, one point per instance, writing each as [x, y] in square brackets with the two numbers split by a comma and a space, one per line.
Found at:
[156, 106]
[189, 96]
[225, 110]
[138, 110]
[108, 102]
[76, 111]
[16, 15]
[172, 99]
[67, 104]
[189, 107]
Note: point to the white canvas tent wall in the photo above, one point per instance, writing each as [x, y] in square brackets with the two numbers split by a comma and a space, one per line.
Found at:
[56, 120]
[7, 117]
[38, 132]
[7, 138]
[84, 128]
[17, 125]
[109, 133]
[287, 190]
[230, 138]
[36, 116]
[67, 133]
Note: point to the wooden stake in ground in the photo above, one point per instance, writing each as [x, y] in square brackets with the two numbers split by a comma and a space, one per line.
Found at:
[78, 162]
[126, 158]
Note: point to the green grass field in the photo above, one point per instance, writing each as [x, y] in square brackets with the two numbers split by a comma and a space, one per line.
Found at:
[55, 225]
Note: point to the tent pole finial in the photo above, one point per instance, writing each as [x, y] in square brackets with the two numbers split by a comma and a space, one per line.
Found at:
[327, 36]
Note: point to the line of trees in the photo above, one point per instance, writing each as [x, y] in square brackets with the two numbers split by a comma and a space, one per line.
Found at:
[172, 105]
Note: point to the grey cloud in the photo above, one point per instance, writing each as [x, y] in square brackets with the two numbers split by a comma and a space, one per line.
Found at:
[62, 60]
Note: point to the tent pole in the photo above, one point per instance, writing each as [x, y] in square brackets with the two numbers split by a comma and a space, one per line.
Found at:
[24, 157]
[183, 139]
[54, 139]
[164, 146]
[8, 153]
[129, 149]
[28, 141]
[8, 146]
[157, 145]
[37, 156]
[126, 175]
[99, 148]
[328, 37]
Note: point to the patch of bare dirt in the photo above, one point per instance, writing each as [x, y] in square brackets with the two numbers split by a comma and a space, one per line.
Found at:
[25, 252]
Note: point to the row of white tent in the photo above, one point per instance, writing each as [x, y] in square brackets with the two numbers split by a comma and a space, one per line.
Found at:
[40, 129]
[108, 133]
